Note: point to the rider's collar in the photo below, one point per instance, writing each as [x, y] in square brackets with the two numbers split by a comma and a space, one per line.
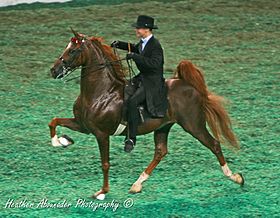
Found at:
[145, 40]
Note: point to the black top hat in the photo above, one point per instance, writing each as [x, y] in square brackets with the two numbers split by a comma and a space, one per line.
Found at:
[144, 21]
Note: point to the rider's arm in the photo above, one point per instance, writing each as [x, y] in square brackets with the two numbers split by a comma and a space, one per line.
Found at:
[124, 46]
[154, 61]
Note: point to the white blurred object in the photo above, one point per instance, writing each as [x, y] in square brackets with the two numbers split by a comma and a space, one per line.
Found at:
[4, 3]
[64, 141]
[100, 197]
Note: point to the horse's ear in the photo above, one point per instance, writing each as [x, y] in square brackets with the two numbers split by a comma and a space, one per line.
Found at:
[76, 34]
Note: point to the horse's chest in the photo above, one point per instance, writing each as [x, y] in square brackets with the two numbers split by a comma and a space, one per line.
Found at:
[102, 113]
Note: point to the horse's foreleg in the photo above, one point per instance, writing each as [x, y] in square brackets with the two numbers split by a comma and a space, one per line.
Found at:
[160, 139]
[70, 123]
[103, 144]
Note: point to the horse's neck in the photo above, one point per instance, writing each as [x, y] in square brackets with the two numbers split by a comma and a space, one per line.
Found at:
[96, 80]
[97, 83]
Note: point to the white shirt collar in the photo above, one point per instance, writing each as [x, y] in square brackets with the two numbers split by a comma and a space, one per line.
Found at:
[145, 40]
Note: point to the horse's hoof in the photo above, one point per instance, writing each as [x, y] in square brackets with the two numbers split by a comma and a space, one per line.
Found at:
[242, 179]
[99, 196]
[135, 189]
[56, 142]
[239, 179]
[65, 141]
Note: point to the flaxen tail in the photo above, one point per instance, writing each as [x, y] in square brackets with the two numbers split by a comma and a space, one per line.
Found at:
[216, 116]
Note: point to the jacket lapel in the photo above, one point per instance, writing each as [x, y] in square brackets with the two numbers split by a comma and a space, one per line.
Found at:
[149, 43]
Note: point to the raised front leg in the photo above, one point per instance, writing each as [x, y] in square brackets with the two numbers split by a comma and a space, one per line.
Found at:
[103, 144]
[70, 123]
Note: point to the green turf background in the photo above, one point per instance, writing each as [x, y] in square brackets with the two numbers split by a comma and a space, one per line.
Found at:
[236, 43]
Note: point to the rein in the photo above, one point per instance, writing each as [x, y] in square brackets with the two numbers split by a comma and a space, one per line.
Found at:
[129, 64]
[102, 66]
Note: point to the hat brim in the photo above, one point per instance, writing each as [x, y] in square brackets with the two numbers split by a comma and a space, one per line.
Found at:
[136, 25]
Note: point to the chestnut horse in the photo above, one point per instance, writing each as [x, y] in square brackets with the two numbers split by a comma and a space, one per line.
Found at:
[98, 108]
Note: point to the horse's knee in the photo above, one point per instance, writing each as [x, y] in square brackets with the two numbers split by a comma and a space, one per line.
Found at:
[105, 166]
[53, 122]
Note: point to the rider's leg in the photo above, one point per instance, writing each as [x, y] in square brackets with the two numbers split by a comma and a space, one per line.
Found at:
[129, 90]
[133, 114]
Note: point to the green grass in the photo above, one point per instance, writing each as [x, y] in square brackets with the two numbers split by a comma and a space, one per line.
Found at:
[237, 45]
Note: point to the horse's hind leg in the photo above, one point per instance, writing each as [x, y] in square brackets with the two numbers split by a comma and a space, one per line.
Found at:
[64, 140]
[160, 139]
[197, 128]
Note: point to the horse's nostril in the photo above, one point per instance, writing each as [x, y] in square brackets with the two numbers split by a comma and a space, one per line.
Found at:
[52, 71]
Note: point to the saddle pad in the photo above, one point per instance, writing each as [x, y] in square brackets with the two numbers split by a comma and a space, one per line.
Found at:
[120, 129]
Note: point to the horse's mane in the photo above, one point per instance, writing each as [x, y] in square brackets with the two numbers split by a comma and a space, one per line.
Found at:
[108, 51]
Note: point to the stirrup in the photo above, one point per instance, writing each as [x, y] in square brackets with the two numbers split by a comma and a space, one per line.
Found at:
[128, 145]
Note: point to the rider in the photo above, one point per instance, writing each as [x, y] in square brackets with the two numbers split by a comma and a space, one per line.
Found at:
[148, 86]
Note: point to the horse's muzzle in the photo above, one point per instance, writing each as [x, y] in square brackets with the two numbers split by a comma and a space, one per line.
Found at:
[57, 72]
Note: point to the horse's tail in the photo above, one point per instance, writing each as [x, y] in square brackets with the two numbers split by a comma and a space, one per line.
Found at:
[216, 116]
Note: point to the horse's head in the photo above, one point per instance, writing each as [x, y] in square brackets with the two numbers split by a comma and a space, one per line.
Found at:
[71, 57]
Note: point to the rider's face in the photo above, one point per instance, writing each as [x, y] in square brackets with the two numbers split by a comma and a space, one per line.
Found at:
[142, 32]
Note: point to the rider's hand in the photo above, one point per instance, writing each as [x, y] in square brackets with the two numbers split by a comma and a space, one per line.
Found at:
[115, 43]
[129, 55]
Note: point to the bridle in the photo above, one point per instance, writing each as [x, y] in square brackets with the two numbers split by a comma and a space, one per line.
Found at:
[67, 69]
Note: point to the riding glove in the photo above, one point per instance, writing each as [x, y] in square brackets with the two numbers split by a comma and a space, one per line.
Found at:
[130, 55]
[115, 43]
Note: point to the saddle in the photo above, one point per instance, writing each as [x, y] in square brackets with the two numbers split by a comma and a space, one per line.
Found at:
[142, 109]
[143, 113]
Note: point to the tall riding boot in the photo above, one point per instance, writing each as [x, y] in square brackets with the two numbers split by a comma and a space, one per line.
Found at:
[130, 139]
